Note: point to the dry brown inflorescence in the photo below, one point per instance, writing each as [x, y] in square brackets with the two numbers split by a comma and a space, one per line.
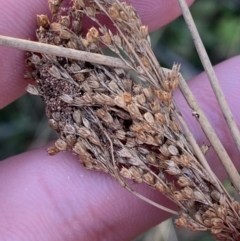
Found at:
[120, 124]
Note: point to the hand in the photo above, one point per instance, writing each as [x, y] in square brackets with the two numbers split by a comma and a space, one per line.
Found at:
[55, 198]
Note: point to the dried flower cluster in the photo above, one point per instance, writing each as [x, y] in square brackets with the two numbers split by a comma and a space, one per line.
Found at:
[118, 125]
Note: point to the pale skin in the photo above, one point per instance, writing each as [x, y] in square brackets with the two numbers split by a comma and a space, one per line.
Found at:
[55, 198]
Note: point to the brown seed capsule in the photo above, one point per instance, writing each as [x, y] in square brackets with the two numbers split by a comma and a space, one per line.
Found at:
[66, 98]
[79, 4]
[217, 223]
[187, 192]
[65, 21]
[69, 129]
[163, 95]
[136, 174]
[53, 124]
[151, 158]
[52, 150]
[43, 21]
[144, 31]
[79, 149]
[177, 195]
[114, 13]
[71, 140]
[159, 186]
[149, 117]
[31, 89]
[64, 34]
[55, 72]
[127, 97]
[61, 145]
[125, 173]
[84, 132]
[173, 150]
[106, 38]
[77, 117]
[120, 134]
[149, 178]
[183, 181]
[54, 5]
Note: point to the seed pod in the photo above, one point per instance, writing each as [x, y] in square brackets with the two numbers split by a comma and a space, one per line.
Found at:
[77, 116]
[61, 145]
[125, 173]
[53, 124]
[136, 174]
[55, 72]
[173, 150]
[144, 31]
[66, 98]
[114, 13]
[71, 140]
[31, 89]
[127, 97]
[84, 132]
[43, 21]
[151, 158]
[120, 134]
[69, 129]
[183, 181]
[52, 150]
[149, 178]
[187, 192]
[65, 21]
[64, 34]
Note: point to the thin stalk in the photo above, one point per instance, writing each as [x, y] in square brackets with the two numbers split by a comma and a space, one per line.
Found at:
[211, 135]
[37, 47]
[210, 73]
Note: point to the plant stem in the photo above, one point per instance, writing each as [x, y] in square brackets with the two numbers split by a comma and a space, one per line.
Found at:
[211, 135]
[210, 73]
[32, 46]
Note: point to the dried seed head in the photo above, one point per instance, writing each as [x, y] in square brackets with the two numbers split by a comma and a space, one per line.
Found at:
[43, 21]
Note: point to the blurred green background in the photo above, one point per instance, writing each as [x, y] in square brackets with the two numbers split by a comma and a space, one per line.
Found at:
[23, 124]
